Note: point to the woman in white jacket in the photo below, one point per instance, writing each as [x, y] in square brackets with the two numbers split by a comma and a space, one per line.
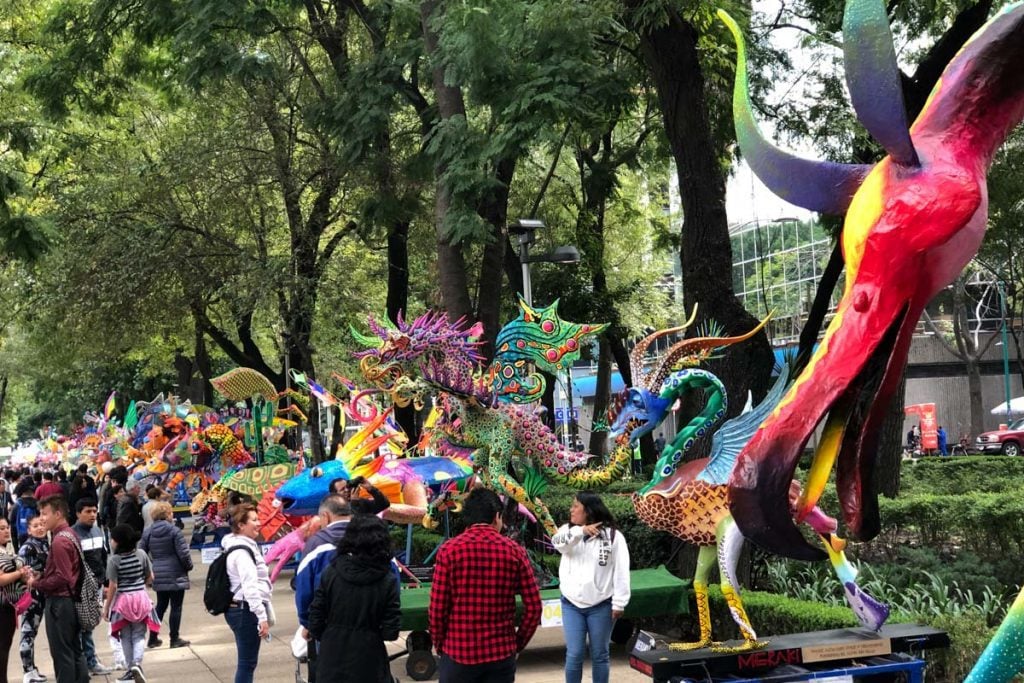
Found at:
[594, 580]
[249, 614]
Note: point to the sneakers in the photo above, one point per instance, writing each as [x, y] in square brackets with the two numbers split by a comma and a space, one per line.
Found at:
[33, 676]
[100, 670]
[136, 674]
[155, 642]
[180, 642]
[128, 677]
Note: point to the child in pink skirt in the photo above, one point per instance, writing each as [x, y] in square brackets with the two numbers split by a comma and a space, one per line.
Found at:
[128, 606]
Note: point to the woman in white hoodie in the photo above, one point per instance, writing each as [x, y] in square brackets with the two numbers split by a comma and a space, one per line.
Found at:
[249, 614]
[594, 580]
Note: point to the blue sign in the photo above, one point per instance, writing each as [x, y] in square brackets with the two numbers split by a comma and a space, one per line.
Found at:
[560, 415]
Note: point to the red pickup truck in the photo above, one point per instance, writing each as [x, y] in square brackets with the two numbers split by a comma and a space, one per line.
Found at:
[1009, 441]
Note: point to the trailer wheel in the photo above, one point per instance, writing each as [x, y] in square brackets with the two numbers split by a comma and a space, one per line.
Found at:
[419, 640]
[420, 665]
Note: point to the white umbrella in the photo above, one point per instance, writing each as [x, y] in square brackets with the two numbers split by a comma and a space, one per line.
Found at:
[1016, 407]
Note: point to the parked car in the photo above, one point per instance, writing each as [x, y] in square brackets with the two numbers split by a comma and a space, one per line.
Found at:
[1009, 441]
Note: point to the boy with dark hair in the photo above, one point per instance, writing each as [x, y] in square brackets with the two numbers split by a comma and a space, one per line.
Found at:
[94, 550]
[480, 572]
[34, 552]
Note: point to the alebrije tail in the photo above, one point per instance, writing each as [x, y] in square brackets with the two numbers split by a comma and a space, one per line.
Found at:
[1004, 657]
[597, 477]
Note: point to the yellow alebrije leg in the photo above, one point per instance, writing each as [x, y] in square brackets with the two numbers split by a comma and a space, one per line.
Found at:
[703, 618]
[512, 488]
[739, 615]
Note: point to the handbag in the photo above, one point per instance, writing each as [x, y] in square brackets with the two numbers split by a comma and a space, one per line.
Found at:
[12, 592]
[87, 591]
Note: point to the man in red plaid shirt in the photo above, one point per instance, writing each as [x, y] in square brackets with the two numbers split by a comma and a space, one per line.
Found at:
[477, 576]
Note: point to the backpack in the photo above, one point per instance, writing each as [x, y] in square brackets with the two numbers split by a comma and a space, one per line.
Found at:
[218, 594]
[87, 590]
[25, 512]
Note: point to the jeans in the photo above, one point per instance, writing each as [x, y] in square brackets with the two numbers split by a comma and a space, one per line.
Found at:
[89, 650]
[501, 671]
[174, 599]
[578, 623]
[247, 641]
[30, 622]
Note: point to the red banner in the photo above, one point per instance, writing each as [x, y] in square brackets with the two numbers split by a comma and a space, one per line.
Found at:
[928, 422]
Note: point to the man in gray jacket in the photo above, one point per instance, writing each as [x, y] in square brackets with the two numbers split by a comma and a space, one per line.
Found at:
[94, 550]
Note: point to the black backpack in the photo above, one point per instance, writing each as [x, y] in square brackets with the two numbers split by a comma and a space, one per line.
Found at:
[218, 594]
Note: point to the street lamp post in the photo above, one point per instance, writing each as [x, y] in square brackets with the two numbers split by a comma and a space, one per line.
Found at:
[525, 229]
[1006, 347]
[1001, 290]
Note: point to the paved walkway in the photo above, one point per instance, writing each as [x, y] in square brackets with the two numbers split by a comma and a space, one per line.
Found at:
[211, 656]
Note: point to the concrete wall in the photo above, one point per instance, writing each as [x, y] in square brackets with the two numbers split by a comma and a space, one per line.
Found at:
[936, 376]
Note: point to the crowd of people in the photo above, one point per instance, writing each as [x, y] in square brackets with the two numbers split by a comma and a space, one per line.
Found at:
[347, 584]
[54, 528]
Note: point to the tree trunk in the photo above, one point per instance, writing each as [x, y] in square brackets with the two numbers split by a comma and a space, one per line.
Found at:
[889, 463]
[671, 54]
[602, 398]
[203, 367]
[489, 284]
[451, 262]
[3, 397]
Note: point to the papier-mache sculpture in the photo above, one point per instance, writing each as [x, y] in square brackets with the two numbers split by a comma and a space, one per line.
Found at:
[691, 500]
[913, 221]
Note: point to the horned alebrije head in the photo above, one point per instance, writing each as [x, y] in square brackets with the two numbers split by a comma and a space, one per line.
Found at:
[442, 352]
[649, 399]
[539, 335]
[913, 221]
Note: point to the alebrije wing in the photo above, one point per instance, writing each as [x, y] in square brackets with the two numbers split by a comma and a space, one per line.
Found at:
[242, 384]
[730, 439]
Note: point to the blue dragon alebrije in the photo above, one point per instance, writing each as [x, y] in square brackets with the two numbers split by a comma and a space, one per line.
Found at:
[691, 500]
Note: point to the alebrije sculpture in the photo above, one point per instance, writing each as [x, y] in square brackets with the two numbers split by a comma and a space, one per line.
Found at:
[432, 353]
[913, 221]
[691, 500]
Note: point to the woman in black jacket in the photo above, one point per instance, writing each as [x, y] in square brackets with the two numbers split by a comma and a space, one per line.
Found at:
[356, 607]
[171, 564]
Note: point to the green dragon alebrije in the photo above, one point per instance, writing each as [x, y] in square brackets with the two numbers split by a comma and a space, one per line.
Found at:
[436, 353]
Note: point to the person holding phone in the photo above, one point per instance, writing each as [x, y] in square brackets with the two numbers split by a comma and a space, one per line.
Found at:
[250, 613]
[594, 579]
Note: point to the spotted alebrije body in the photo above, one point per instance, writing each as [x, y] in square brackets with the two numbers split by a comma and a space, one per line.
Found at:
[444, 356]
[497, 436]
[255, 481]
[692, 514]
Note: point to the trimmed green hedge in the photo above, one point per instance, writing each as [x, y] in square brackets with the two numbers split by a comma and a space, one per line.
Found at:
[970, 474]
[772, 614]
